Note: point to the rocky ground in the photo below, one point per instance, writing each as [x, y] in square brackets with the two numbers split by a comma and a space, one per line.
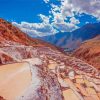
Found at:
[78, 80]
[61, 77]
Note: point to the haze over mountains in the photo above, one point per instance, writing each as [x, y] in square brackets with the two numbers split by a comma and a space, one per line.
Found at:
[72, 40]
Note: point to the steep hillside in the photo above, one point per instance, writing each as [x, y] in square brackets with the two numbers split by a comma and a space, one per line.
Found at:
[14, 42]
[90, 51]
[10, 33]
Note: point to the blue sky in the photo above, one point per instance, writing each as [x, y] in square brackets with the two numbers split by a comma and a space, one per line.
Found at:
[22, 10]
[45, 17]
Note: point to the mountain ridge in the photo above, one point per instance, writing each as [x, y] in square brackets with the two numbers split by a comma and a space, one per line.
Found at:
[72, 40]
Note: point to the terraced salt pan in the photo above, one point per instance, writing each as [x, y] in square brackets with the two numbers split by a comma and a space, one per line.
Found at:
[31, 92]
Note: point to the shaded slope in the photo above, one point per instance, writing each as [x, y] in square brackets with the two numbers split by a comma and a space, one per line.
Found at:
[72, 40]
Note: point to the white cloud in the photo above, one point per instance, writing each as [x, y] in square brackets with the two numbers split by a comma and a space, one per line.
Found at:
[68, 8]
[37, 29]
[46, 1]
[73, 20]
[44, 18]
[60, 15]
[65, 27]
[91, 7]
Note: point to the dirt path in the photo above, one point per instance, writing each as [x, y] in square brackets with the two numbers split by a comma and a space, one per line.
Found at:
[14, 79]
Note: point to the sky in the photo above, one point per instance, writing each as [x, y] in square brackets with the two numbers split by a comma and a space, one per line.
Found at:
[47, 17]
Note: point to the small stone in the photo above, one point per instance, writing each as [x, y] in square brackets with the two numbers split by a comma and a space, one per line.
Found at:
[71, 74]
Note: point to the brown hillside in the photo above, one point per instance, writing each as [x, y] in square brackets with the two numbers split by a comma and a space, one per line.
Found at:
[11, 33]
[14, 42]
[90, 51]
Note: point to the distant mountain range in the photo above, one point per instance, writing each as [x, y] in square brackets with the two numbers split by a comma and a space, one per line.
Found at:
[72, 40]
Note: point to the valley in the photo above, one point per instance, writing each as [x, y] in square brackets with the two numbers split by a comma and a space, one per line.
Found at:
[31, 69]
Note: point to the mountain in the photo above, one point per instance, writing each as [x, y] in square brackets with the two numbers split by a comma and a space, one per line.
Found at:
[72, 40]
[13, 34]
[88, 31]
[11, 38]
[31, 69]
[89, 51]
